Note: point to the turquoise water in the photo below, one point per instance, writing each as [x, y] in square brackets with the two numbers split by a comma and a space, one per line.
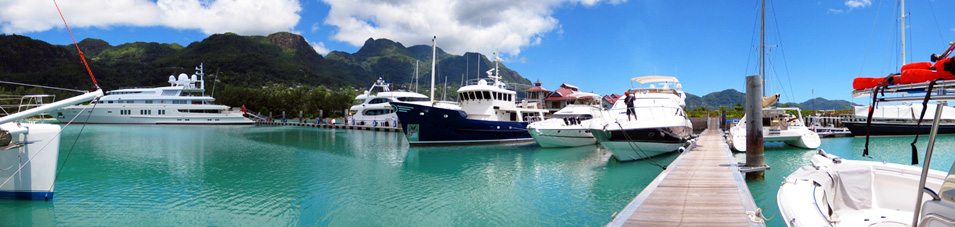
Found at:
[270, 176]
[783, 160]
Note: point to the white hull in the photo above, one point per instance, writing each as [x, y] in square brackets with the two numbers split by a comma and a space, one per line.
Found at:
[801, 138]
[627, 151]
[566, 137]
[114, 114]
[854, 193]
[36, 161]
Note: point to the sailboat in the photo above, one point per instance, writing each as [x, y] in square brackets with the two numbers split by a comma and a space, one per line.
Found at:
[831, 191]
[779, 123]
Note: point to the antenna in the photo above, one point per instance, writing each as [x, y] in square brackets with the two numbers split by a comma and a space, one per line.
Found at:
[434, 60]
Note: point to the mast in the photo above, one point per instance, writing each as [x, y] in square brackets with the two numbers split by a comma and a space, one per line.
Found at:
[416, 76]
[762, 46]
[902, 4]
[434, 59]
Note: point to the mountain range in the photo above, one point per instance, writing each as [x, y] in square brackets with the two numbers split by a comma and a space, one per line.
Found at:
[279, 59]
[731, 97]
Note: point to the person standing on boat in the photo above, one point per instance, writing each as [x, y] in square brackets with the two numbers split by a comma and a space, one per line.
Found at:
[628, 99]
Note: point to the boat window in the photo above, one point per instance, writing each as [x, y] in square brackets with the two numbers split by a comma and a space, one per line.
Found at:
[169, 92]
[178, 101]
[378, 100]
[200, 111]
[149, 101]
[109, 102]
[464, 96]
[413, 99]
[487, 95]
[471, 94]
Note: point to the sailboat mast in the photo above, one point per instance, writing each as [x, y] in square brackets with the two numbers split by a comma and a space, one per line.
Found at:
[762, 46]
[902, 4]
[434, 59]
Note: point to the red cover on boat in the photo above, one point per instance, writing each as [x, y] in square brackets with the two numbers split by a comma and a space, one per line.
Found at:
[860, 83]
[916, 72]
[916, 65]
[912, 76]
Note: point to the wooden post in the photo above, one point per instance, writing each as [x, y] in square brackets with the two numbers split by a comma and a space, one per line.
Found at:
[754, 127]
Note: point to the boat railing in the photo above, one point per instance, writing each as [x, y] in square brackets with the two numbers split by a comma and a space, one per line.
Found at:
[916, 92]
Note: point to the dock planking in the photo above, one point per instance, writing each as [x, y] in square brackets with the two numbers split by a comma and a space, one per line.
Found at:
[702, 187]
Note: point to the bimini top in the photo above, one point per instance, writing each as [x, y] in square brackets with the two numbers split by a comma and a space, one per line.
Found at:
[653, 79]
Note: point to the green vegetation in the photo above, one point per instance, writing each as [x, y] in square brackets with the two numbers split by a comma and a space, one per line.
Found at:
[309, 100]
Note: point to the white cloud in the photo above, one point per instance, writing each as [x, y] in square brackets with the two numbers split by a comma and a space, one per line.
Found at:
[320, 48]
[460, 25]
[315, 27]
[852, 4]
[239, 16]
[835, 11]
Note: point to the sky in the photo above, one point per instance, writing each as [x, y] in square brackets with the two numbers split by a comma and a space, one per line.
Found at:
[815, 48]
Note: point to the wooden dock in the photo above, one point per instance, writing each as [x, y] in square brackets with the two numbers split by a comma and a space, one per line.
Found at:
[702, 187]
[334, 126]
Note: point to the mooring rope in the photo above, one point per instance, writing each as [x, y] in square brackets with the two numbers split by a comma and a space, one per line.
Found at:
[637, 148]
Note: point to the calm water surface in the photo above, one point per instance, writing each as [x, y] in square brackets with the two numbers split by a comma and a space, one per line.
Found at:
[268, 176]
[783, 160]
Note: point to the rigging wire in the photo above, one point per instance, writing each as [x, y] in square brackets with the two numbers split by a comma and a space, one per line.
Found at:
[57, 174]
[940, 38]
[75, 44]
[871, 32]
[752, 40]
[779, 38]
[41, 86]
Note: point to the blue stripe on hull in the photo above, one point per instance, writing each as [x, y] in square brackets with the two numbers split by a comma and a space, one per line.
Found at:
[438, 126]
[21, 195]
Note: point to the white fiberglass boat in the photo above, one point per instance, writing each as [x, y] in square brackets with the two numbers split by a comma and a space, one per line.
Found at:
[570, 126]
[373, 107]
[836, 192]
[661, 125]
[779, 125]
[29, 151]
[180, 103]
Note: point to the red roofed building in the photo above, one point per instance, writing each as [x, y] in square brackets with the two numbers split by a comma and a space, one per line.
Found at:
[553, 100]
[536, 94]
[608, 100]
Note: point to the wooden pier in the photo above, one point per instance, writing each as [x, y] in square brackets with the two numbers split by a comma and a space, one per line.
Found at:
[335, 126]
[702, 187]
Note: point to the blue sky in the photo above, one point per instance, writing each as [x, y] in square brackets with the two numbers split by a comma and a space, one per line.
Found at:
[595, 44]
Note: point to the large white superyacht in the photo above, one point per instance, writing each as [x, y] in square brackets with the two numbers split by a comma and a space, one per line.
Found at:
[183, 102]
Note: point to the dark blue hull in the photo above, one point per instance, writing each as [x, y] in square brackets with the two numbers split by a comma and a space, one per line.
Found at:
[426, 125]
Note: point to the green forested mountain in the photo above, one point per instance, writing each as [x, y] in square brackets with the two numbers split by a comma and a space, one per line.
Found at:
[731, 97]
[396, 64]
[277, 59]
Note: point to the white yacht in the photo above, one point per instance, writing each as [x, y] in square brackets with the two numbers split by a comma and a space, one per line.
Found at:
[183, 102]
[570, 126]
[779, 125]
[374, 108]
[661, 125]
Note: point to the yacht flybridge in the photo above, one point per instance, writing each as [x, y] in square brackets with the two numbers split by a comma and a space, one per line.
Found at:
[183, 102]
